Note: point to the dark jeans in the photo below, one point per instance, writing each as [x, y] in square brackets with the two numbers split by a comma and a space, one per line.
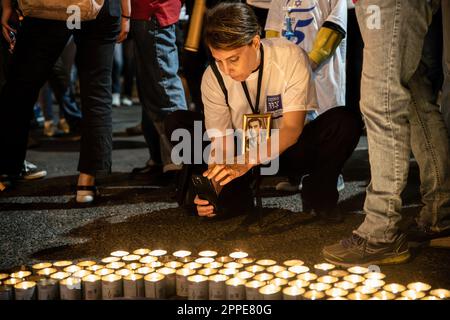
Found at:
[320, 152]
[39, 44]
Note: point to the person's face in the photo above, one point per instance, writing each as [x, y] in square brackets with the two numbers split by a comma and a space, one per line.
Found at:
[254, 128]
[238, 63]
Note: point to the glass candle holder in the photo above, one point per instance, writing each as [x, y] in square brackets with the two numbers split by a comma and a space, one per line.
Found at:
[264, 277]
[148, 259]
[115, 265]
[181, 254]
[384, 295]
[86, 264]
[170, 275]
[104, 272]
[207, 253]
[133, 266]
[366, 290]
[354, 278]
[25, 290]
[39, 266]
[276, 268]
[252, 290]
[336, 293]
[204, 260]
[245, 275]
[413, 294]
[255, 269]
[318, 286]
[157, 253]
[214, 265]
[131, 258]
[47, 272]
[108, 260]
[181, 281]
[322, 269]
[357, 296]
[346, 285]
[328, 279]
[72, 269]
[358, 270]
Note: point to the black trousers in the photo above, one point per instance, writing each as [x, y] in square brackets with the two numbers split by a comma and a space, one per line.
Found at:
[39, 44]
[320, 153]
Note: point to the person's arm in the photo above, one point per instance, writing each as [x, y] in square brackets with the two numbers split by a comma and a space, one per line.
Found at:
[124, 20]
[330, 35]
[7, 13]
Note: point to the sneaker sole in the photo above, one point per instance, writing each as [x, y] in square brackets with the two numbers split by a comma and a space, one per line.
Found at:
[35, 176]
[399, 259]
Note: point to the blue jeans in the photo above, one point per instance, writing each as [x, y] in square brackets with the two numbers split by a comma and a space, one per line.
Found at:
[445, 105]
[159, 87]
[401, 116]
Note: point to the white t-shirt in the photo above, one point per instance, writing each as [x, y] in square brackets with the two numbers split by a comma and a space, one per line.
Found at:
[308, 16]
[286, 86]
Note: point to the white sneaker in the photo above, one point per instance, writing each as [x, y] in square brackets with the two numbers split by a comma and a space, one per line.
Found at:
[63, 126]
[116, 99]
[31, 172]
[127, 102]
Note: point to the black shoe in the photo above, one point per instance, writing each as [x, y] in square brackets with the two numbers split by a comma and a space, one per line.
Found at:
[330, 216]
[420, 235]
[148, 170]
[358, 251]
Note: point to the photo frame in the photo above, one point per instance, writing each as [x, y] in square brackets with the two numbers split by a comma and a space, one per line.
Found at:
[256, 129]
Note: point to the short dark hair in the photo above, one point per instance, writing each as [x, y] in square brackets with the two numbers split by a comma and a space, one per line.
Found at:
[230, 25]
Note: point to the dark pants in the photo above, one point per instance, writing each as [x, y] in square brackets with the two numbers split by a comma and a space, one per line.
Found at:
[320, 152]
[39, 44]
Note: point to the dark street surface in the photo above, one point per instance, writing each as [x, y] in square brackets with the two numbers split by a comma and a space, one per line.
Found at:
[40, 220]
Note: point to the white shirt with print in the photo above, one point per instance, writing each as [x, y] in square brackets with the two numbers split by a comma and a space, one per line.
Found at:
[308, 16]
[287, 86]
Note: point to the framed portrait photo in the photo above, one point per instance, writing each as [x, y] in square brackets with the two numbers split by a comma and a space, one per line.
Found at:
[256, 129]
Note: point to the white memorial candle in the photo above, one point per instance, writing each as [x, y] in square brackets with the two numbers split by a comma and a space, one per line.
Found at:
[307, 276]
[192, 266]
[131, 258]
[346, 285]
[174, 265]
[110, 260]
[21, 275]
[293, 262]
[81, 274]
[133, 266]
[145, 271]
[142, 251]
[170, 275]
[112, 287]
[48, 289]
[25, 290]
[224, 259]
[70, 289]
[238, 255]
[207, 272]
[298, 269]
[252, 290]
[86, 264]
[235, 289]
[123, 272]
[313, 295]
[47, 272]
[181, 280]
[419, 286]
[204, 260]
[60, 275]
[440, 293]
[39, 266]
[95, 267]
[266, 262]
[104, 272]
[358, 270]
[246, 261]
[275, 269]
[157, 253]
[366, 290]
[336, 293]
[148, 259]
[384, 295]
[208, 254]
[279, 282]
[327, 279]
[155, 286]
[299, 283]
[394, 288]
[217, 287]
[180, 254]
[92, 287]
[357, 296]
[115, 265]
[287, 275]
[233, 265]
[354, 278]
[72, 269]
[293, 293]
[60, 265]
[264, 277]
[271, 292]
[133, 286]
[119, 253]
[318, 286]
[255, 269]
[322, 269]
[338, 273]
[413, 294]
[198, 287]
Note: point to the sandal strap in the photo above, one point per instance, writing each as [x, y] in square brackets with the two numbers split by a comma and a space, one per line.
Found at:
[87, 188]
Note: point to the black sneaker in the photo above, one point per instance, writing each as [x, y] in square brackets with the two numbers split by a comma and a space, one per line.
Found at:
[31, 172]
[148, 170]
[358, 251]
[423, 235]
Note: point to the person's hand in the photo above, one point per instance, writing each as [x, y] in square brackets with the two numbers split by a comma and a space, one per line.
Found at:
[204, 209]
[124, 29]
[225, 173]
[7, 14]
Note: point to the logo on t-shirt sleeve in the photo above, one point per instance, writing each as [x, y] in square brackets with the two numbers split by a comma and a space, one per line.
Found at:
[274, 103]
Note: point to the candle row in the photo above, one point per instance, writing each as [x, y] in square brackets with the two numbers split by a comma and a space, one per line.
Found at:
[155, 274]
